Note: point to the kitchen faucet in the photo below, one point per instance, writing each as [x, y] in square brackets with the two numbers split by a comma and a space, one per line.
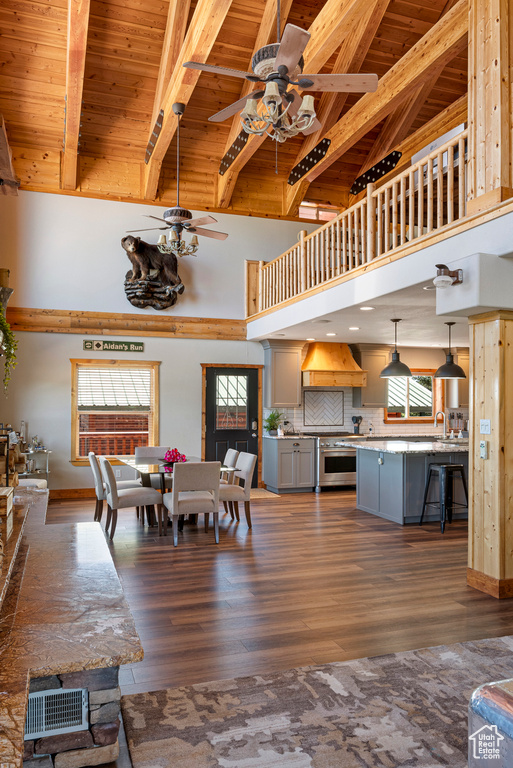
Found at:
[444, 436]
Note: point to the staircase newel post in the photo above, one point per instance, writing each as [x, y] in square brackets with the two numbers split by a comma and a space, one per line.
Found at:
[260, 295]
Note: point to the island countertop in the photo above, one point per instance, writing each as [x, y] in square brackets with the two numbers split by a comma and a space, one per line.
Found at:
[406, 446]
[64, 611]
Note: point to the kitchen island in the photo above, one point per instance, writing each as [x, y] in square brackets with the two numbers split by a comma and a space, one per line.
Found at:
[391, 477]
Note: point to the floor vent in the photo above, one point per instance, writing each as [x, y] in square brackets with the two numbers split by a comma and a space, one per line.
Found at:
[57, 711]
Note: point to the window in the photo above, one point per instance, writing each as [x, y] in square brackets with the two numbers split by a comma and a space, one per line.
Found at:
[316, 212]
[231, 402]
[114, 407]
[415, 399]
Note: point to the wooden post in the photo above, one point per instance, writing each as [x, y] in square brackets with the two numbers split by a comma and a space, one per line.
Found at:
[302, 250]
[490, 561]
[260, 300]
[490, 107]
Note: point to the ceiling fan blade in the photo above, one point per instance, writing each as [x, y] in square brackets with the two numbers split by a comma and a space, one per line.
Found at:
[339, 83]
[292, 45]
[208, 233]
[199, 222]
[157, 218]
[234, 108]
[151, 229]
[218, 70]
[295, 101]
[316, 126]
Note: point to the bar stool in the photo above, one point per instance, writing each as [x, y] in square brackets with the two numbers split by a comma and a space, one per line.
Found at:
[446, 475]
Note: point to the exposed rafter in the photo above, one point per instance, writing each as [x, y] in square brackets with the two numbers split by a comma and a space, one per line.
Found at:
[438, 46]
[352, 53]
[206, 22]
[330, 27]
[78, 25]
[399, 122]
[176, 27]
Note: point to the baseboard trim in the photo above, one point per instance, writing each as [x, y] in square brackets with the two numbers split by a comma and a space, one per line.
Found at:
[72, 493]
[499, 588]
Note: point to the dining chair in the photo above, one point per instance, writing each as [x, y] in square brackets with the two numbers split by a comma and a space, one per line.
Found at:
[234, 492]
[230, 460]
[195, 492]
[156, 452]
[121, 498]
[99, 486]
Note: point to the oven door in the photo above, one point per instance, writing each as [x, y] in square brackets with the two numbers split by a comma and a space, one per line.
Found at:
[336, 466]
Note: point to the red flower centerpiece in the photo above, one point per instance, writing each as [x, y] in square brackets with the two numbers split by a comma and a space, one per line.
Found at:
[172, 457]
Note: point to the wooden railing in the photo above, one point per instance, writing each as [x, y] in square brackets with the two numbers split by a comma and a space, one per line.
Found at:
[423, 198]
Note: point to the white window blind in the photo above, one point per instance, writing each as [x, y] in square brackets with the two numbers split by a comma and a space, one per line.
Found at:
[113, 389]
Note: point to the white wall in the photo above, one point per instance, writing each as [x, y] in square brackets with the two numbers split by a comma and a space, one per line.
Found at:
[64, 252]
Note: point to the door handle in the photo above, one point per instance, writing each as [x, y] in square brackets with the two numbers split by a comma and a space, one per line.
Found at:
[254, 434]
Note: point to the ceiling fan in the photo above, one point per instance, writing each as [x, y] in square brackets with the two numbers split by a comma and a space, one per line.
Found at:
[178, 219]
[279, 66]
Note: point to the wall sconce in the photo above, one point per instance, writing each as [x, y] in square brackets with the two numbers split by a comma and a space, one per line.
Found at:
[445, 277]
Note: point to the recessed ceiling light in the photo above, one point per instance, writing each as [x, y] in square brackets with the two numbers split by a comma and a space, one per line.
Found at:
[331, 334]
[310, 339]
[429, 288]
[278, 334]
[354, 327]
[366, 309]
[322, 322]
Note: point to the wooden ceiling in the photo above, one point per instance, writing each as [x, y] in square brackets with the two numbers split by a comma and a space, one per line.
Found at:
[82, 82]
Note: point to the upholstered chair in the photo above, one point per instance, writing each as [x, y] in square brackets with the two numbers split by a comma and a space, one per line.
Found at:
[195, 492]
[234, 492]
[121, 498]
[99, 486]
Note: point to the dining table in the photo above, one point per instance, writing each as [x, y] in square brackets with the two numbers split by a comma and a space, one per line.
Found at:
[147, 467]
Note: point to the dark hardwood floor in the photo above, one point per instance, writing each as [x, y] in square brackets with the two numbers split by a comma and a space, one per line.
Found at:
[314, 581]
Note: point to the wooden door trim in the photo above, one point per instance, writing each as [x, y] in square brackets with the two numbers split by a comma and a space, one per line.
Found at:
[204, 367]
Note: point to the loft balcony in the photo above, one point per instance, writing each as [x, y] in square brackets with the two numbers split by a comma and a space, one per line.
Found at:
[423, 205]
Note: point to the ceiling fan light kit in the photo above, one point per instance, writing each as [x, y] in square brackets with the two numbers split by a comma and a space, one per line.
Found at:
[178, 219]
[281, 113]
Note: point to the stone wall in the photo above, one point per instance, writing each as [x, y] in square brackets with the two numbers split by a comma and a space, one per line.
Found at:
[95, 746]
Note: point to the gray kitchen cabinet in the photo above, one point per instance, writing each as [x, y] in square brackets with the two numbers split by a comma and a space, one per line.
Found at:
[288, 464]
[391, 485]
[371, 358]
[282, 373]
[379, 475]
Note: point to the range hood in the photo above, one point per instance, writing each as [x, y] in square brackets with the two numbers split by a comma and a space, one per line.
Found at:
[330, 364]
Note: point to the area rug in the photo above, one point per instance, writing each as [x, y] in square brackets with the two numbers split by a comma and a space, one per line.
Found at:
[263, 493]
[402, 709]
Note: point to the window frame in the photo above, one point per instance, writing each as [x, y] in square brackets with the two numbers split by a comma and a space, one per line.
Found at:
[438, 401]
[76, 363]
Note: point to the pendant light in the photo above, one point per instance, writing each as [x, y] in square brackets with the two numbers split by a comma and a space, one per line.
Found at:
[450, 370]
[395, 368]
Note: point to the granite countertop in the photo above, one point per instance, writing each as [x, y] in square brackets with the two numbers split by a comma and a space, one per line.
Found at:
[405, 446]
[64, 612]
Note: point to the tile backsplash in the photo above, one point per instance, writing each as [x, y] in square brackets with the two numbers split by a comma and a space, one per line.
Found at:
[332, 411]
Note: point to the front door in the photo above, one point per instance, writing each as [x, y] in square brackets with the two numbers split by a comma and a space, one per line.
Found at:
[231, 412]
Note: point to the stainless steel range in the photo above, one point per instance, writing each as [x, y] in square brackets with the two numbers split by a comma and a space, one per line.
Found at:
[336, 462]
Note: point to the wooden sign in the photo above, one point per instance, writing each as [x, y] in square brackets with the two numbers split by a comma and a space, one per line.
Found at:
[100, 345]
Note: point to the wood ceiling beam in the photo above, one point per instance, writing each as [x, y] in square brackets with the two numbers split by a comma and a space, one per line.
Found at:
[176, 27]
[208, 18]
[327, 31]
[436, 49]
[78, 26]
[350, 59]
[399, 122]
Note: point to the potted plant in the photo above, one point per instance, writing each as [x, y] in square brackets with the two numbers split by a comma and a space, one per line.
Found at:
[9, 345]
[272, 421]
